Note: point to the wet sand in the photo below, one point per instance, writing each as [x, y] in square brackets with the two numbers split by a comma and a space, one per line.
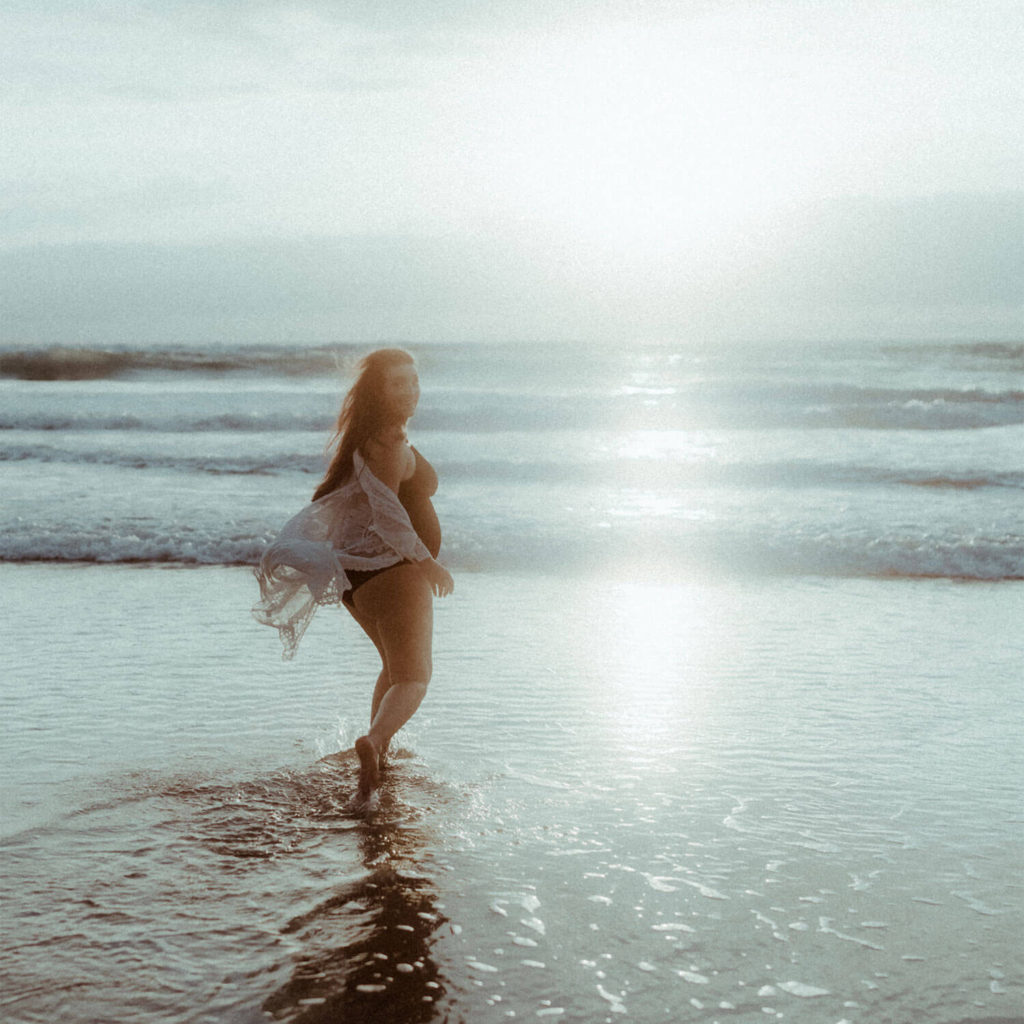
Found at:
[720, 800]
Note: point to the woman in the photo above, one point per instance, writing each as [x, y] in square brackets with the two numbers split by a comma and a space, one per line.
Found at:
[369, 540]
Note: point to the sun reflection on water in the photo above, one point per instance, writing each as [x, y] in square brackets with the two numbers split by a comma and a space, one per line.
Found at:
[653, 664]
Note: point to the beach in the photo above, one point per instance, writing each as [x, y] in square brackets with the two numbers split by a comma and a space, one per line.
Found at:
[724, 722]
[704, 326]
[716, 799]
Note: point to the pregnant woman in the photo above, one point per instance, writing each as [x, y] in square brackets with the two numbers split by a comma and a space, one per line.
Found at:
[370, 540]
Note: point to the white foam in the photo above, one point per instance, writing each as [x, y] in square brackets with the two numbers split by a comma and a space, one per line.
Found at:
[804, 991]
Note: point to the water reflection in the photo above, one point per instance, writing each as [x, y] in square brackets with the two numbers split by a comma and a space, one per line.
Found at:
[652, 661]
[366, 948]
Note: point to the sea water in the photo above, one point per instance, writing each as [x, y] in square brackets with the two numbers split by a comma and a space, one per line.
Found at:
[868, 460]
[724, 723]
[735, 800]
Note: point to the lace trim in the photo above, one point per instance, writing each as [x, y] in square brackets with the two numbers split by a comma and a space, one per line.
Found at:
[284, 606]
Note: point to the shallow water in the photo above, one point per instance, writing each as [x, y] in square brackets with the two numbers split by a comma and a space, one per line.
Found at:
[733, 800]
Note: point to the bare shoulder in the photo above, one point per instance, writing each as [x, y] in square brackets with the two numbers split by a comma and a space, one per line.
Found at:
[390, 457]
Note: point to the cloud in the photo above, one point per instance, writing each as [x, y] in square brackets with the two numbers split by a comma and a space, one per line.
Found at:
[950, 248]
[272, 290]
[168, 53]
[518, 168]
[154, 51]
[951, 265]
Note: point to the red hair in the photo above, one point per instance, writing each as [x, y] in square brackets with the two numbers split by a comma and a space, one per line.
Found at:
[364, 414]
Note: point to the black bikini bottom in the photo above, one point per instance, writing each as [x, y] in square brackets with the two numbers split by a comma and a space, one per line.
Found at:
[357, 577]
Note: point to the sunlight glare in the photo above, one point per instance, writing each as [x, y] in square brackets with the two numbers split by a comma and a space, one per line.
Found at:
[626, 138]
[655, 672]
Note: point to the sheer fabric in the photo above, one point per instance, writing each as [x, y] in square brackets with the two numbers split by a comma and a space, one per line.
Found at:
[361, 525]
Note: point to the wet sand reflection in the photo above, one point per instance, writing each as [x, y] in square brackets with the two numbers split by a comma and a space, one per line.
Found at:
[366, 948]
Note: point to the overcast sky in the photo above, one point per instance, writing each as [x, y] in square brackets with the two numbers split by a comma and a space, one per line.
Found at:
[502, 169]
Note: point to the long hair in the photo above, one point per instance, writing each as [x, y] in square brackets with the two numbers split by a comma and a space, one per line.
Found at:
[364, 413]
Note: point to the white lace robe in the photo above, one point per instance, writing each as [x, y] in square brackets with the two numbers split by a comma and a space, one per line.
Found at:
[360, 525]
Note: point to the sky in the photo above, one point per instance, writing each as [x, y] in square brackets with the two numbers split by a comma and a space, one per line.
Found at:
[532, 170]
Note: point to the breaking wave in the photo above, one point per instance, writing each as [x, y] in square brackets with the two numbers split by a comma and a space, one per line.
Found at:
[679, 550]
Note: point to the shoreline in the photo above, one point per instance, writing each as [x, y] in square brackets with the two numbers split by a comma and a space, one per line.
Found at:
[651, 574]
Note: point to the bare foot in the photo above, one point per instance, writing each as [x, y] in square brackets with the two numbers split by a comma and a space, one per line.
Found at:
[369, 773]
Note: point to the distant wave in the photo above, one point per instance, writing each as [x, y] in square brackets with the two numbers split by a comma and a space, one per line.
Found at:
[649, 474]
[735, 406]
[964, 482]
[89, 363]
[62, 363]
[178, 422]
[998, 351]
[703, 406]
[706, 550]
[230, 465]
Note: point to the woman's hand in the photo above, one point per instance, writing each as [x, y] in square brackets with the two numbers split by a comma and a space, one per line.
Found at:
[440, 579]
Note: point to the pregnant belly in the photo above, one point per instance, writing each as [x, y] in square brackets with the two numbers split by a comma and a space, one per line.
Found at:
[424, 521]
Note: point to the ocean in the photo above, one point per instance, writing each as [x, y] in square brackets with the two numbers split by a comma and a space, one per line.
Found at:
[883, 460]
[723, 727]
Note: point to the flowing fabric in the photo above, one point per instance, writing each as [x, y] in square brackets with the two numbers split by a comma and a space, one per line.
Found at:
[360, 525]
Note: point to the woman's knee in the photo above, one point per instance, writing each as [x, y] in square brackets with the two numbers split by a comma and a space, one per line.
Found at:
[410, 668]
[417, 688]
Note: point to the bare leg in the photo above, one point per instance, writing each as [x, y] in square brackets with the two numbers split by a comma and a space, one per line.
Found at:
[383, 683]
[398, 607]
[369, 775]
[382, 687]
[397, 707]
